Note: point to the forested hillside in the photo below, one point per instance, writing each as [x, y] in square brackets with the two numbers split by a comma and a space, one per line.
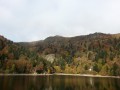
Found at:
[96, 53]
[15, 58]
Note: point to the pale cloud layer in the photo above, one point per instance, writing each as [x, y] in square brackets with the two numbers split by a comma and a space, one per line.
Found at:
[29, 20]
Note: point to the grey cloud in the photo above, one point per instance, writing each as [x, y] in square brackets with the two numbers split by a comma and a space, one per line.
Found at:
[27, 20]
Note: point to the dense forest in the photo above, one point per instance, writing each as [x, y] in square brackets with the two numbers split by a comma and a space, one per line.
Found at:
[97, 54]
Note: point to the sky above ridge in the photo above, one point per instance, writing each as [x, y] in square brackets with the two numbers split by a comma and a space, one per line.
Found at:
[31, 20]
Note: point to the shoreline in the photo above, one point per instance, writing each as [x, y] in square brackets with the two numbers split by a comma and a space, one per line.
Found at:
[61, 74]
[87, 75]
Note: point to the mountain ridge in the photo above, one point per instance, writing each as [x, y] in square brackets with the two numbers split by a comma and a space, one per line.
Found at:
[97, 52]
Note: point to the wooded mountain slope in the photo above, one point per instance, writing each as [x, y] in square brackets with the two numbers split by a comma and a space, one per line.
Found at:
[96, 53]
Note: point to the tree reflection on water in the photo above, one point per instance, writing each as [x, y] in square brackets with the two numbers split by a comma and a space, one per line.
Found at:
[58, 83]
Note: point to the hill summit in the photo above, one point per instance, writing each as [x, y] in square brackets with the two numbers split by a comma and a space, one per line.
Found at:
[96, 53]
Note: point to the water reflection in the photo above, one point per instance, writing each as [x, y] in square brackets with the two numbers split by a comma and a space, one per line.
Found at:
[57, 83]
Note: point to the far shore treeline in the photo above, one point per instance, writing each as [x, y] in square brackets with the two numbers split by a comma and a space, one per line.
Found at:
[97, 54]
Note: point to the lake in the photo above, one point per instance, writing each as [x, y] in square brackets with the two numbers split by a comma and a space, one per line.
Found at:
[58, 82]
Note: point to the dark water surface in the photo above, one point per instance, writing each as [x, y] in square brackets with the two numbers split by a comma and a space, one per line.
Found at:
[58, 83]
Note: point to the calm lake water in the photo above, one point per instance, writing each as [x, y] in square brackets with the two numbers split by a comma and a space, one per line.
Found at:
[58, 83]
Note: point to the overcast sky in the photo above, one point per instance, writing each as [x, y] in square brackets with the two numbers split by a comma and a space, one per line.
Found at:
[30, 20]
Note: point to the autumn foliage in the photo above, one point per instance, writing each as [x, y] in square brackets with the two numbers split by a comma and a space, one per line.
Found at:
[96, 53]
